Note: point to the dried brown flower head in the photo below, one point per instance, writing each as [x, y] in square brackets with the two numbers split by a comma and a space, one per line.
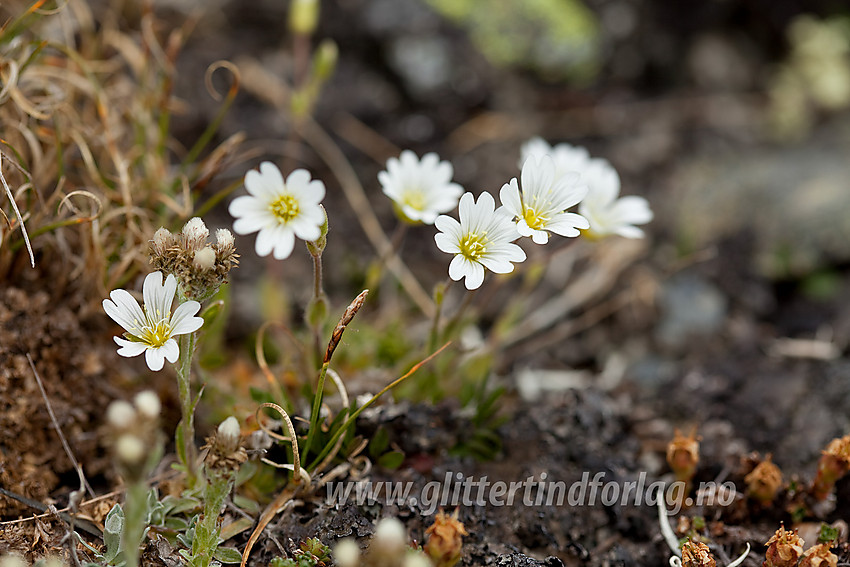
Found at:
[764, 481]
[444, 539]
[834, 463]
[696, 554]
[683, 455]
[784, 549]
[819, 556]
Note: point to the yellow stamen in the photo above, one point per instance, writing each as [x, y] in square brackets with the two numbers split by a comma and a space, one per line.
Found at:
[285, 208]
[473, 246]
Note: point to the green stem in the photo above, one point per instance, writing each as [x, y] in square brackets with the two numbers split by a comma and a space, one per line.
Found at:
[314, 415]
[135, 512]
[207, 530]
[186, 431]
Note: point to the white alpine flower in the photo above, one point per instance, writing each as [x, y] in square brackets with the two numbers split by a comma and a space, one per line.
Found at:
[152, 330]
[279, 210]
[567, 158]
[606, 213]
[540, 209]
[482, 239]
[421, 190]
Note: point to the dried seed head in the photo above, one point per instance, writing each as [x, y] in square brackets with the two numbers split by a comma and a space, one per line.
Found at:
[204, 259]
[129, 449]
[148, 404]
[346, 553]
[195, 234]
[683, 455]
[784, 549]
[444, 539]
[696, 554]
[819, 556]
[120, 414]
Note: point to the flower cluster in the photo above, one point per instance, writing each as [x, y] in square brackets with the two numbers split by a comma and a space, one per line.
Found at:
[421, 190]
[200, 268]
[152, 330]
[133, 434]
[605, 212]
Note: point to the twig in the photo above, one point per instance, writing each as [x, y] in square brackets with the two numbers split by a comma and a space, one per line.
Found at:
[79, 469]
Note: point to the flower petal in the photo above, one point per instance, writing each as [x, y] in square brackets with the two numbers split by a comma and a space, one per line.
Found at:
[170, 350]
[509, 196]
[184, 321]
[284, 242]
[129, 348]
[124, 310]
[155, 358]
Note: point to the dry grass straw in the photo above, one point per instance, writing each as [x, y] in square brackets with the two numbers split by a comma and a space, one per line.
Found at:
[85, 113]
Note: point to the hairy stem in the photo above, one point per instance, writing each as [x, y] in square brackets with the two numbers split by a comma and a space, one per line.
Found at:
[186, 432]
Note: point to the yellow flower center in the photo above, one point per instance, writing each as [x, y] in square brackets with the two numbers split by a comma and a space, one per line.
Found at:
[285, 208]
[473, 246]
[157, 335]
[534, 220]
[414, 198]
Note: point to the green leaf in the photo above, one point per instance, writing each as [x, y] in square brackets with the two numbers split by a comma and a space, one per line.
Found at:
[113, 525]
[379, 443]
[228, 555]
[391, 460]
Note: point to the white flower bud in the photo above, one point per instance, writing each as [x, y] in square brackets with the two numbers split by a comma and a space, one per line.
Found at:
[11, 560]
[129, 449]
[195, 233]
[347, 553]
[228, 433]
[416, 559]
[120, 414]
[161, 240]
[224, 238]
[204, 258]
[148, 404]
[390, 535]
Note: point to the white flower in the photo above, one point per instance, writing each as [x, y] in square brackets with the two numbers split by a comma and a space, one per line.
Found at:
[152, 331]
[279, 211]
[545, 197]
[422, 189]
[608, 214]
[482, 239]
[567, 158]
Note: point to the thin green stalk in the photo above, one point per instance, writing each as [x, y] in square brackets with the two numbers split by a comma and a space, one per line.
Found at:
[135, 513]
[350, 420]
[314, 415]
[207, 530]
[186, 430]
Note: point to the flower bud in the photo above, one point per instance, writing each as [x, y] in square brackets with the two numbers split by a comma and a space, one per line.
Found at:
[444, 540]
[834, 463]
[346, 553]
[819, 556]
[317, 246]
[224, 238]
[416, 559]
[764, 481]
[390, 538]
[227, 435]
[162, 240]
[129, 449]
[324, 61]
[120, 414]
[303, 16]
[784, 549]
[204, 258]
[195, 234]
[696, 554]
[683, 455]
[148, 404]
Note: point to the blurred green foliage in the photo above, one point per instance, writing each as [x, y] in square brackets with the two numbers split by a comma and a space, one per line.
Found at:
[559, 39]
